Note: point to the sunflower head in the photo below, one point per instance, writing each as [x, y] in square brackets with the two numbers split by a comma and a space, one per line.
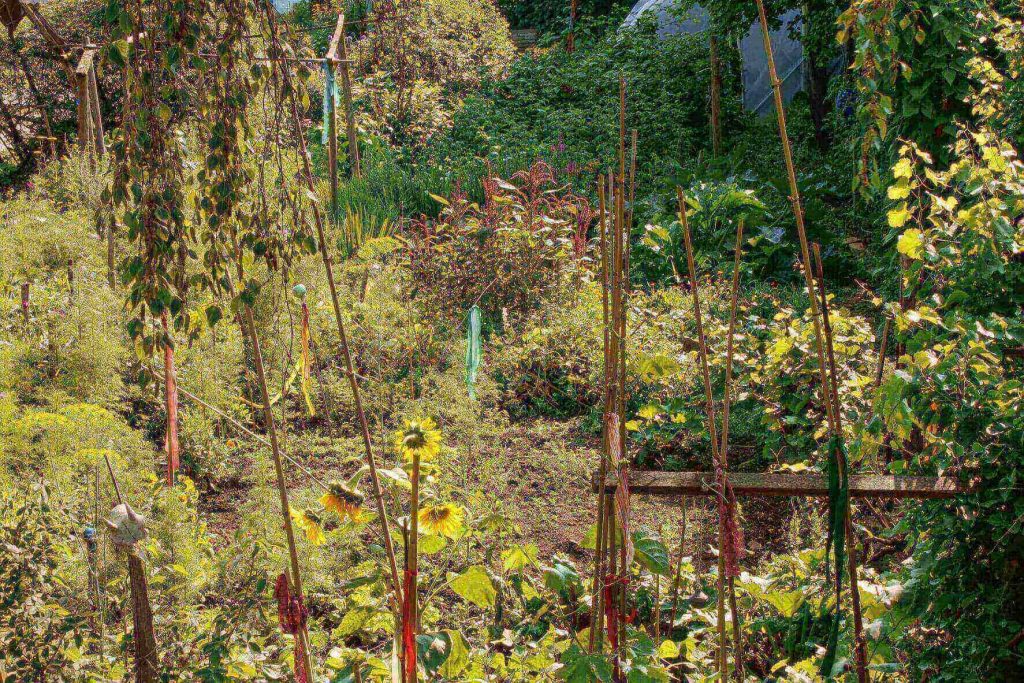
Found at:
[345, 501]
[419, 438]
[310, 523]
[443, 520]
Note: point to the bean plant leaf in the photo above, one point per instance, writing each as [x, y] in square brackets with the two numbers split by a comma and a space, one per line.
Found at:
[651, 553]
[581, 667]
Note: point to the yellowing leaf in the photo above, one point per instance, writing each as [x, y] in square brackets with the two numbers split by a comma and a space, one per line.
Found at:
[668, 650]
[899, 191]
[902, 169]
[519, 556]
[911, 243]
[899, 216]
[475, 585]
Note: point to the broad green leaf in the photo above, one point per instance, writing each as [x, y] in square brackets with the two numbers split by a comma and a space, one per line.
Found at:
[475, 585]
[560, 576]
[458, 659]
[651, 553]
[580, 667]
[519, 556]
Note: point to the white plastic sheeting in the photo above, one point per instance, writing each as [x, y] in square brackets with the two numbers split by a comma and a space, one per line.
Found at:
[673, 20]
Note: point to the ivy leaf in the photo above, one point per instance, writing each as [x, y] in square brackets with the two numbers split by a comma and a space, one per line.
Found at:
[475, 585]
[581, 667]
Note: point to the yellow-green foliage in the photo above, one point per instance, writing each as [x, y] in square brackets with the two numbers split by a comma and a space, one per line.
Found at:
[418, 68]
[71, 342]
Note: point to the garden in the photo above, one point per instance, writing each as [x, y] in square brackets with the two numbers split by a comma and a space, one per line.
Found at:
[489, 340]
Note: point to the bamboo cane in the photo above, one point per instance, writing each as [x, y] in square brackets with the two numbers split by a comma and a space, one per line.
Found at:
[597, 594]
[413, 564]
[794, 189]
[622, 237]
[282, 488]
[171, 404]
[724, 447]
[364, 428]
[712, 430]
[679, 565]
[860, 646]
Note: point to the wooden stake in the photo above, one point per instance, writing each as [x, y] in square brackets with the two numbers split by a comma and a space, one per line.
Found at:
[570, 43]
[712, 431]
[364, 428]
[143, 633]
[97, 114]
[86, 137]
[346, 85]
[332, 142]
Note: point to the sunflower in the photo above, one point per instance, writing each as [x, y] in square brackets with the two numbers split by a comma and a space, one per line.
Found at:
[347, 502]
[309, 522]
[443, 520]
[419, 438]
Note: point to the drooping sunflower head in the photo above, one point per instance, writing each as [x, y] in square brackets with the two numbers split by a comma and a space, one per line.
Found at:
[342, 499]
[310, 523]
[443, 520]
[419, 438]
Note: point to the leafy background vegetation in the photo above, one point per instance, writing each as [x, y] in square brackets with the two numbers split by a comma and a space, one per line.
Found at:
[478, 189]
